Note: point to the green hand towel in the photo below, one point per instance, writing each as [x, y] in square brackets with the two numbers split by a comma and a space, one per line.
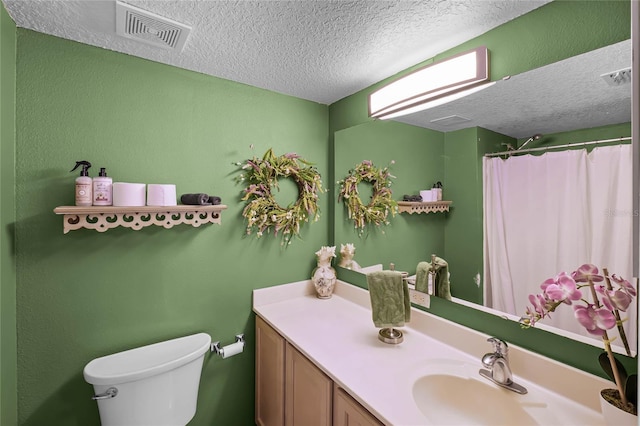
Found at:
[390, 304]
[422, 277]
[442, 287]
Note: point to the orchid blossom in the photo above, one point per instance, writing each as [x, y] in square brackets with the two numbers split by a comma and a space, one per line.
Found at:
[586, 273]
[594, 317]
[562, 288]
[595, 320]
[624, 285]
[614, 299]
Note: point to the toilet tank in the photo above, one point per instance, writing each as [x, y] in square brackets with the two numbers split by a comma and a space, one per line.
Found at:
[156, 384]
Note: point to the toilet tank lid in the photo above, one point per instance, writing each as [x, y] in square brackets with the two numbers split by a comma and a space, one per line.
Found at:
[146, 361]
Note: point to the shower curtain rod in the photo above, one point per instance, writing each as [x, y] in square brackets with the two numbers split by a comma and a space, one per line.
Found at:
[545, 148]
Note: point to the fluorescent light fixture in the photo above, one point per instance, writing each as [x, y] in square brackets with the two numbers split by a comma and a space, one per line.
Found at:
[432, 85]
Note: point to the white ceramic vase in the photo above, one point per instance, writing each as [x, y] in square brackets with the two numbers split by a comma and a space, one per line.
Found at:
[324, 276]
[324, 280]
[614, 416]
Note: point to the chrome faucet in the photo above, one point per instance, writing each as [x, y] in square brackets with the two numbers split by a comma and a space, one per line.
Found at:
[497, 364]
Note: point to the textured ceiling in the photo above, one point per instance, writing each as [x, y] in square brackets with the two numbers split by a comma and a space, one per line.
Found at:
[321, 51]
[324, 51]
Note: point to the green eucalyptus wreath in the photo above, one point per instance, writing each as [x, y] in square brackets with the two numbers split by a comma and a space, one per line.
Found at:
[381, 203]
[262, 212]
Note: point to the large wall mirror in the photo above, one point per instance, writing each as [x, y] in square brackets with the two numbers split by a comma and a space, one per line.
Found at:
[565, 102]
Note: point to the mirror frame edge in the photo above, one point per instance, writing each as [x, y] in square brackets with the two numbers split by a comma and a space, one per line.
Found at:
[635, 132]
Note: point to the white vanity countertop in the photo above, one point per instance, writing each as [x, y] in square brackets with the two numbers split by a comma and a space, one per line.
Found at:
[338, 335]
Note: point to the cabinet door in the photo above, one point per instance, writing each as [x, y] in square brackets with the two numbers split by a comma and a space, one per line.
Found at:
[308, 392]
[348, 412]
[270, 352]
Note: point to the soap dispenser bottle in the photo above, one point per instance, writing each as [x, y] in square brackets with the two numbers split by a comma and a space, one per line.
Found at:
[84, 184]
[437, 188]
[102, 189]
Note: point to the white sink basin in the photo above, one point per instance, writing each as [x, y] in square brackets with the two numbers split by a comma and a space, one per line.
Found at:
[450, 392]
[453, 400]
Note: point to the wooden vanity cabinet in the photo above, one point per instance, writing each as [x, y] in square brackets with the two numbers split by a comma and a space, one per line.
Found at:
[308, 392]
[292, 391]
[270, 353]
[348, 412]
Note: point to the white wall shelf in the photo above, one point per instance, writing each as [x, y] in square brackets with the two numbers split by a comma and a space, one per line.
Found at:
[423, 207]
[103, 218]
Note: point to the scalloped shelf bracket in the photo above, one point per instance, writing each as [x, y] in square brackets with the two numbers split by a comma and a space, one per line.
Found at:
[426, 207]
[104, 218]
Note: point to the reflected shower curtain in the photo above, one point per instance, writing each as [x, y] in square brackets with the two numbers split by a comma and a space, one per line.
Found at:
[551, 213]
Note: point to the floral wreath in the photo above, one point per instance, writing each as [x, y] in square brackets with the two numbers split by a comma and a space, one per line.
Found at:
[263, 212]
[381, 204]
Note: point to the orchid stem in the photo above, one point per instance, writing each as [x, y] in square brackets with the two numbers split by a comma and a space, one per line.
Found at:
[616, 312]
[607, 347]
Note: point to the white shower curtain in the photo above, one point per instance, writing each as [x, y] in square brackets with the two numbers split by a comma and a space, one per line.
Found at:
[551, 213]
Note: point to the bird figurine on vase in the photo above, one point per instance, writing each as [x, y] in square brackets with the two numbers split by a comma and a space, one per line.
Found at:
[347, 251]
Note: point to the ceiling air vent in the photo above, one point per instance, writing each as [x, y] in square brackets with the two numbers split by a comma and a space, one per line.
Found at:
[452, 120]
[617, 78]
[147, 27]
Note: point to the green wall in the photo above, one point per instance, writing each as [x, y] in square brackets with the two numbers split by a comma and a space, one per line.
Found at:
[463, 184]
[88, 294]
[8, 379]
[417, 154]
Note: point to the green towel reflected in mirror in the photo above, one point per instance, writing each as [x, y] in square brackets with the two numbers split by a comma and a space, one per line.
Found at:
[441, 285]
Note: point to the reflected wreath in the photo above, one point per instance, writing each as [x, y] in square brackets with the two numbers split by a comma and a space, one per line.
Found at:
[377, 211]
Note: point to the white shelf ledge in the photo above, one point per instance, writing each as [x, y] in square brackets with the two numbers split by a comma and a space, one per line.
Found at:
[103, 218]
[423, 207]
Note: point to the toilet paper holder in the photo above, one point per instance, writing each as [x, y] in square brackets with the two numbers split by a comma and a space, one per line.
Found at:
[218, 350]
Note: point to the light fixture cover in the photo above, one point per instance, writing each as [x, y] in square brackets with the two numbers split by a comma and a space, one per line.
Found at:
[452, 76]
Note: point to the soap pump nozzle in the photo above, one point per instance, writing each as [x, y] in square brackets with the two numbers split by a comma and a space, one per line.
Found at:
[85, 167]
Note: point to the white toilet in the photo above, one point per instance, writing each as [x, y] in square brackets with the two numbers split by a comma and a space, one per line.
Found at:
[152, 385]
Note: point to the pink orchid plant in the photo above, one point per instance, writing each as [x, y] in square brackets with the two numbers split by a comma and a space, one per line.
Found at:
[597, 317]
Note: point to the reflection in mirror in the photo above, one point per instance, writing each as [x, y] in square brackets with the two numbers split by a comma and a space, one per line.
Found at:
[552, 213]
[564, 96]
[566, 102]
